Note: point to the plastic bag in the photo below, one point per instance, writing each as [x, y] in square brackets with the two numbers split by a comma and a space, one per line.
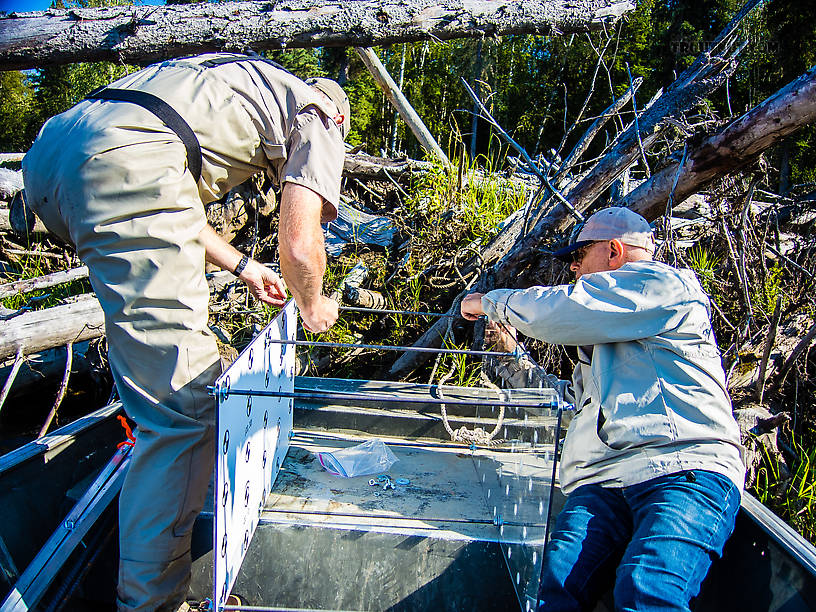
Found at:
[369, 457]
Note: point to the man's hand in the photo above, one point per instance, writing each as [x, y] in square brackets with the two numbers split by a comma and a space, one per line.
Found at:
[472, 306]
[264, 284]
[320, 315]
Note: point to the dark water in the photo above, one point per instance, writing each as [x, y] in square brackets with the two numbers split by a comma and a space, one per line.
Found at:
[25, 411]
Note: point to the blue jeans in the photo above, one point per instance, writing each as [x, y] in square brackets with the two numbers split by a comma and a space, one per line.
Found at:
[657, 538]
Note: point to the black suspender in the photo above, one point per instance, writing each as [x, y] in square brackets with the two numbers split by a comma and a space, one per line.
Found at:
[163, 111]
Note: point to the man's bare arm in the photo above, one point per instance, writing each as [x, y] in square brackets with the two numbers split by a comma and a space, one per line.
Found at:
[303, 255]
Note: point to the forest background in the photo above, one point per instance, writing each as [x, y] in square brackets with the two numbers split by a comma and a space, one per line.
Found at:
[545, 91]
[535, 86]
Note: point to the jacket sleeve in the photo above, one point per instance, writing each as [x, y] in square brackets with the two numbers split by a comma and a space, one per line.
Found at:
[637, 301]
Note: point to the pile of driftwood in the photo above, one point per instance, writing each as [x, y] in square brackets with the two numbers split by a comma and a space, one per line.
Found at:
[711, 193]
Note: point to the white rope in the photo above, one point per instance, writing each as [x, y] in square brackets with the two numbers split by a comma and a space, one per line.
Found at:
[477, 435]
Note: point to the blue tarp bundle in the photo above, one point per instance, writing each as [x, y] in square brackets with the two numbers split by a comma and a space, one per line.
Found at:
[354, 226]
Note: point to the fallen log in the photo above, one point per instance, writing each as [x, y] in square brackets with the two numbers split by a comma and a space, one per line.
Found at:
[800, 348]
[707, 73]
[748, 374]
[6, 226]
[11, 157]
[43, 282]
[79, 320]
[141, 34]
[733, 147]
[369, 167]
[11, 181]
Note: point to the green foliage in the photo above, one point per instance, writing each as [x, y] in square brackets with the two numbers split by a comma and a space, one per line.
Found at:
[705, 264]
[461, 206]
[792, 499]
[58, 88]
[764, 298]
[368, 108]
[466, 371]
[304, 63]
[15, 109]
[32, 266]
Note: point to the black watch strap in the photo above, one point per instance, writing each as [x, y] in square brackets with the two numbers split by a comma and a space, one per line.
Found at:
[241, 265]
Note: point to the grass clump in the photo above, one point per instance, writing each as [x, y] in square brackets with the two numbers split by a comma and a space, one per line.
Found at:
[792, 498]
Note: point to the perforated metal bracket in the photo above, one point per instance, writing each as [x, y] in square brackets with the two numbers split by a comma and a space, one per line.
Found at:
[253, 439]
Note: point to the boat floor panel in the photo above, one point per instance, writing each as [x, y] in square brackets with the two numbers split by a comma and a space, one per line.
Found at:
[444, 493]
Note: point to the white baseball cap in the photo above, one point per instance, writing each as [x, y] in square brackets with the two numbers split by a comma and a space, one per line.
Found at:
[608, 224]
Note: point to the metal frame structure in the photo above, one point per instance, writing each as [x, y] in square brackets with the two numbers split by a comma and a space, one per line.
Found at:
[252, 448]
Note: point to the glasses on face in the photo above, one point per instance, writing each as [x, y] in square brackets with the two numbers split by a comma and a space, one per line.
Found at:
[579, 253]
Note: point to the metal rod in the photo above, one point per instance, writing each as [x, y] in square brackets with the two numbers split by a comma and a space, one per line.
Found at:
[348, 308]
[385, 347]
[405, 312]
[401, 518]
[549, 501]
[320, 395]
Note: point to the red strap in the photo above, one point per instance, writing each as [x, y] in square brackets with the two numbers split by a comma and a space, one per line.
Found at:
[131, 440]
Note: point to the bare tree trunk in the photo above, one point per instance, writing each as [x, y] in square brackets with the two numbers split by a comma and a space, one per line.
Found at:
[708, 72]
[43, 282]
[43, 329]
[368, 167]
[392, 142]
[477, 76]
[140, 34]
[400, 102]
[736, 145]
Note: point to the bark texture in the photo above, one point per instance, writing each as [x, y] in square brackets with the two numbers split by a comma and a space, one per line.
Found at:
[738, 144]
[143, 34]
[44, 329]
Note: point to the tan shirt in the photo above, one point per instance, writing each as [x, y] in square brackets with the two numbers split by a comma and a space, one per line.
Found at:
[250, 117]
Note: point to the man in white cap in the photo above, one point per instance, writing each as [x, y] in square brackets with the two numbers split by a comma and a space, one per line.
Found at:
[651, 464]
[124, 176]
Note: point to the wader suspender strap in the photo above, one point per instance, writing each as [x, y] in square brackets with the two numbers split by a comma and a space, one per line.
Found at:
[163, 111]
